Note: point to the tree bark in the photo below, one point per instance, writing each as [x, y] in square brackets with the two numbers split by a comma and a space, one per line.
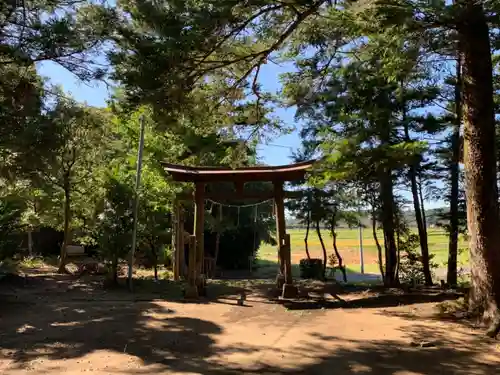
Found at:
[155, 259]
[452, 276]
[387, 200]
[379, 247]
[114, 269]
[30, 241]
[422, 205]
[337, 254]
[67, 220]
[422, 233]
[318, 231]
[308, 224]
[480, 163]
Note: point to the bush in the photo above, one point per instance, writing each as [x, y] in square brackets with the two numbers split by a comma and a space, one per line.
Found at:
[166, 257]
[410, 265]
[311, 268]
[10, 226]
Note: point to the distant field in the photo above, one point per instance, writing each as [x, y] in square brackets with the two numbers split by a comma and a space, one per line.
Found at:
[348, 245]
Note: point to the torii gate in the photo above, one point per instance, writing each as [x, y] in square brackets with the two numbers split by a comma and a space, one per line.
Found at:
[201, 176]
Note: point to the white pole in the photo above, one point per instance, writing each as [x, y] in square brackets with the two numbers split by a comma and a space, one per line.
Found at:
[136, 201]
[361, 258]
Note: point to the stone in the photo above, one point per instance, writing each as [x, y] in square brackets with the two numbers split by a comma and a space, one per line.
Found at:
[289, 291]
[191, 291]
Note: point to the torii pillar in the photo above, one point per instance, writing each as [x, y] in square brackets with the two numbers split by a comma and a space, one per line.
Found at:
[196, 285]
[201, 176]
[285, 277]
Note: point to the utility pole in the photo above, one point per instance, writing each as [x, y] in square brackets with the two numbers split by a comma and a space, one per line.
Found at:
[361, 257]
[136, 202]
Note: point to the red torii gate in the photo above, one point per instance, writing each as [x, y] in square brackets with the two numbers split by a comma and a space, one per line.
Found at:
[201, 176]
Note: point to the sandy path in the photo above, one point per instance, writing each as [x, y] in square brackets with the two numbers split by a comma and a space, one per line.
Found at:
[220, 338]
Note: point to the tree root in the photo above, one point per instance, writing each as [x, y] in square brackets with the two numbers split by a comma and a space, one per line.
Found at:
[494, 328]
[62, 270]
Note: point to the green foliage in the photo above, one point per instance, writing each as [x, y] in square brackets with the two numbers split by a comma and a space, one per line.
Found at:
[410, 264]
[65, 32]
[10, 224]
[114, 227]
[311, 269]
[367, 80]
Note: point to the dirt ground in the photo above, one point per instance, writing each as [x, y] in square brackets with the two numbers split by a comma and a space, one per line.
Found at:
[55, 324]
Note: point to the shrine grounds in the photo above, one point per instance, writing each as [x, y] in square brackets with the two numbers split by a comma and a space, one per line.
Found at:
[61, 324]
[56, 324]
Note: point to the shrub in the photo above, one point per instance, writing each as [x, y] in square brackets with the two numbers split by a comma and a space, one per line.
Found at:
[410, 265]
[311, 268]
[10, 225]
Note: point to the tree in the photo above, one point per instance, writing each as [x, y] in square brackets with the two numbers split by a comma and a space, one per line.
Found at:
[340, 211]
[68, 171]
[66, 32]
[480, 163]
[353, 121]
[115, 223]
[11, 210]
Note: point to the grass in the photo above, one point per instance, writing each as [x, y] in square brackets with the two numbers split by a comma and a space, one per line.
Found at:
[348, 245]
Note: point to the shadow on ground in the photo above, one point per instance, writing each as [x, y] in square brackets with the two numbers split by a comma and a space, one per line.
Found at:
[381, 300]
[58, 317]
[169, 343]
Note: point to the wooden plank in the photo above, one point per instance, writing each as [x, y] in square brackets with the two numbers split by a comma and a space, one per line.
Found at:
[282, 173]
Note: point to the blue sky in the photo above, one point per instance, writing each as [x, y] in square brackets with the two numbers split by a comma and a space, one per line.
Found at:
[277, 152]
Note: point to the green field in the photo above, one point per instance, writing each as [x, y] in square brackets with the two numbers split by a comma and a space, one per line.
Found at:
[348, 245]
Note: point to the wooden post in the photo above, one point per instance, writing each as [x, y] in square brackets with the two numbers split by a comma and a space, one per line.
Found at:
[183, 272]
[217, 237]
[175, 241]
[289, 290]
[199, 221]
[280, 222]
[287, 252]
[191, 289]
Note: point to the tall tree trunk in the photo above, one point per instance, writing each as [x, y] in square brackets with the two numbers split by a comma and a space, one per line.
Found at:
[308, 224]
[379, 247]
[422, 233]
[114, 269]
[452, 276]
[387, 199]
[67, 220]
[480, 164]
[154, 253]
[398, 243]
[422, 204]
[337, 254]
[30, 241]
[318, 231]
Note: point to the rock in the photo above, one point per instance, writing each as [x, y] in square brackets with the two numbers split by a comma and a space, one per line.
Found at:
[422, 344]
